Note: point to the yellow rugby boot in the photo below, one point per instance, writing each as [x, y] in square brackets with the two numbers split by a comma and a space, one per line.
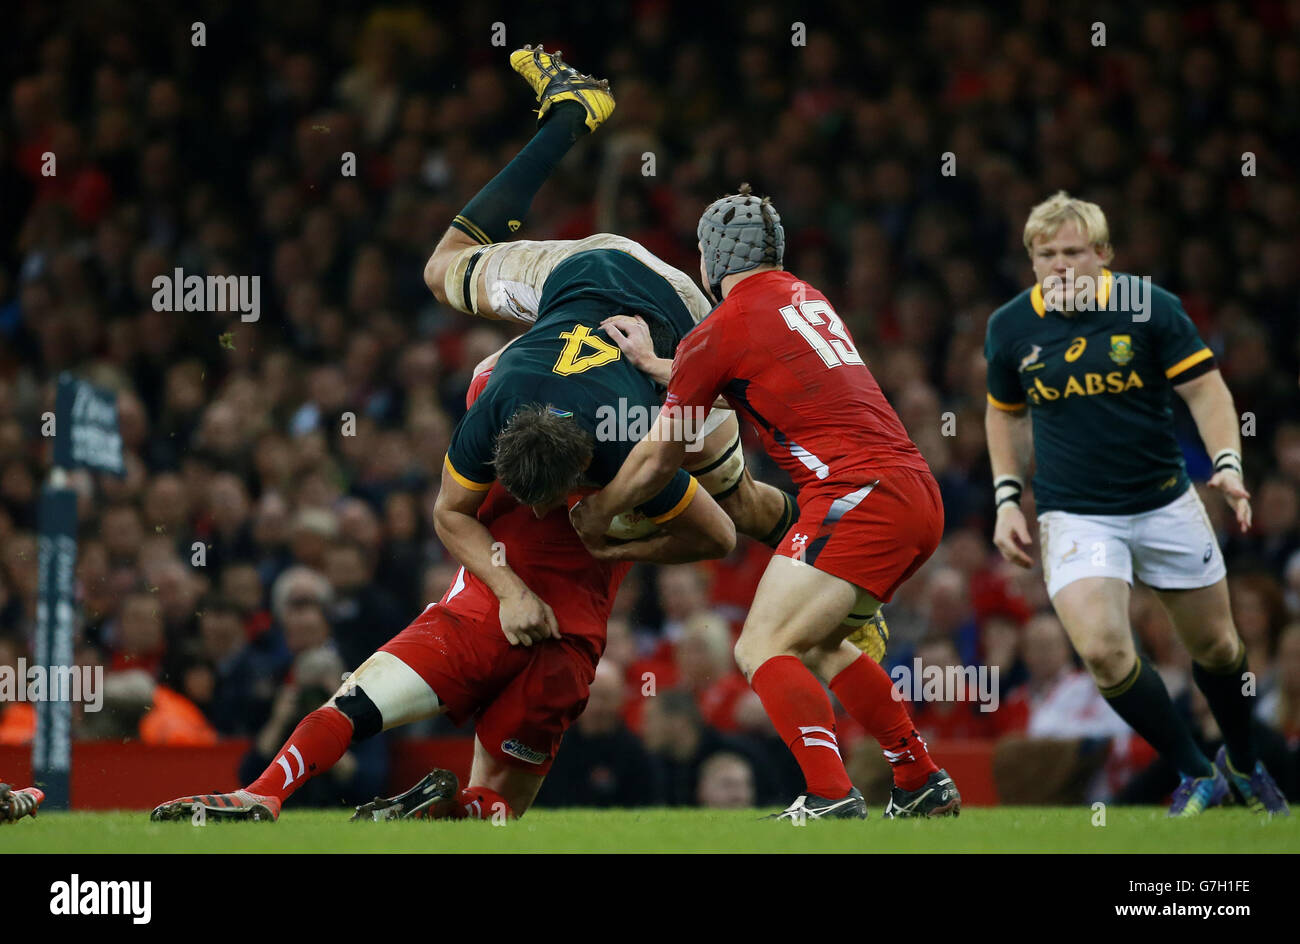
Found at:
[553, 80]
[872, 637]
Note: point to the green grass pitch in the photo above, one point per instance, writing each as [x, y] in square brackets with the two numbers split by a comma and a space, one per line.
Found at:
[1022, 829]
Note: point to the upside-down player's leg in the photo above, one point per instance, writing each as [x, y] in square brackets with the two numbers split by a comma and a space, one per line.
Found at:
[571, 105]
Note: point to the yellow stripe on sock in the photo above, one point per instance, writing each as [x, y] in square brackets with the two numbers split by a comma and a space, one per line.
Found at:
[1125, 685]
[472, 229]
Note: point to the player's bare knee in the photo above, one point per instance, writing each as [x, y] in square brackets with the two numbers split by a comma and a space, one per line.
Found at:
[1220, 652]
[1107, 663]
[435, 270]
[752, 649]
[435, 274]
[745, 655]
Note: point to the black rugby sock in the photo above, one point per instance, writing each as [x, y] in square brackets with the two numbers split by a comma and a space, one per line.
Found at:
[789, 515]
[1143, 701]
[1231, 709]
[498, 210]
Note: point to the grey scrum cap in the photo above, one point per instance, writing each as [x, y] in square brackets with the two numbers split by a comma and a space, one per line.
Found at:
[738, 233]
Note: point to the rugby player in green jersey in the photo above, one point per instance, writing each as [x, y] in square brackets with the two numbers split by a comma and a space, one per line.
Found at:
[565, 406]
[1081, 371]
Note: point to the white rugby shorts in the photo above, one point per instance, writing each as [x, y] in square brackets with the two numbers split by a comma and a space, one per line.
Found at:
[1172, 547]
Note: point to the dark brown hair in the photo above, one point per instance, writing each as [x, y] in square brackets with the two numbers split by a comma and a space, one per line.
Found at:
[541, 454]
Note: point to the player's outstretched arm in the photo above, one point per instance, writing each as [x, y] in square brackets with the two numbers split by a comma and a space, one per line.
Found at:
[645, 473]
[525, 617]
[1210, 402]
[1009, 442]
[701, 532]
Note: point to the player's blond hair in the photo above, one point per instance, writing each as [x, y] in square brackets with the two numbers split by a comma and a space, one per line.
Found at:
[1061, 208]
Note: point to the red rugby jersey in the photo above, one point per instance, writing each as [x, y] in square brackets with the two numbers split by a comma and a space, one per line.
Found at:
[778, 352]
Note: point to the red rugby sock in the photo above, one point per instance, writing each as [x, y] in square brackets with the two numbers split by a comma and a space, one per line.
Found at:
[315, 746]
[802, 714]
[866, 692]
[479, 803]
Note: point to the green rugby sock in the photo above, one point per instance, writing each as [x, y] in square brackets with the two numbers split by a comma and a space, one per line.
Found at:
[498, 210]
[1231, 709]
[1143, 701]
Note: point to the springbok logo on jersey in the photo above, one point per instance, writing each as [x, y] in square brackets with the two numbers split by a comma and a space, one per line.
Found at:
[1031, 357]
[1121, 348]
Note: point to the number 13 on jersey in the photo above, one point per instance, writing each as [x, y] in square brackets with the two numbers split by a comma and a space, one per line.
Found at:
[814, 314]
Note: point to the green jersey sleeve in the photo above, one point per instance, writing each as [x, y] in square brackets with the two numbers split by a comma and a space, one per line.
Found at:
[672, 501]
[1004, 390]
[1183, 355]
[473, 446]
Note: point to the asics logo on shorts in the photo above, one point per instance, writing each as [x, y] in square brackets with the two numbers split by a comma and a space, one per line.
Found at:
[516, 748]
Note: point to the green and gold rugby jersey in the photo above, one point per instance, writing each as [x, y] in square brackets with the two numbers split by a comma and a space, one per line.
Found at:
[567, 362]
[1099, 387]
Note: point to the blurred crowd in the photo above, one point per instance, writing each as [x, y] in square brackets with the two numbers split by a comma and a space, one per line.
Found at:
[259, 546]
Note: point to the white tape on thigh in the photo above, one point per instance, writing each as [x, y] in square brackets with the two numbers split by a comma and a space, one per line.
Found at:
[515, 273]
[462, 293]
[395, 688]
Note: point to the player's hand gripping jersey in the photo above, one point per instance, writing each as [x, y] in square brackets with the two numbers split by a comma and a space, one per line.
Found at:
[1099, 386]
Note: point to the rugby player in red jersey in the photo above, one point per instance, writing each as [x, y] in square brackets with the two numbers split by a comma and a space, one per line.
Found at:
[521, 690]
[869, 508]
